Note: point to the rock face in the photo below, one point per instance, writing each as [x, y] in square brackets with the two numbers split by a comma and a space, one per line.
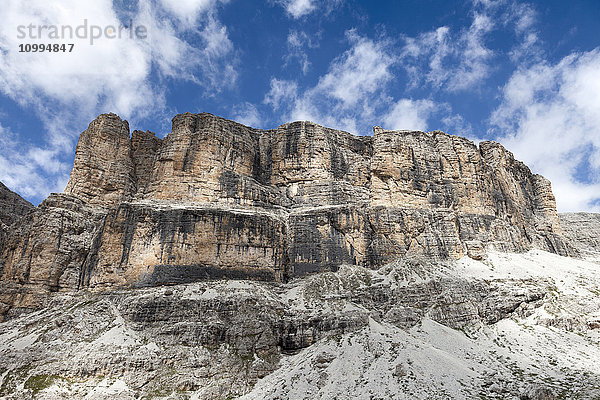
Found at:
[12, 206]
[130, 270]
[46, 251]
[103, 172]
[215, 199]
[583, 231]
[519, 329]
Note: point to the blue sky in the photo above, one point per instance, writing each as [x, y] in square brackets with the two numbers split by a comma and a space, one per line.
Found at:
[526, 74]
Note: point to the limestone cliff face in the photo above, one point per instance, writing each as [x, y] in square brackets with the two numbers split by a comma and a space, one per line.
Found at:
[103, 172]
[45, 251]
[215, 198]
[144, 146]
[12, 206]
[583, 231]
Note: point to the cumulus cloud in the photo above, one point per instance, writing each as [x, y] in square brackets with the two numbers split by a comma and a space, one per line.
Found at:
[247, 114]
[452, 61]
[216, 61]
[21, 171]
[112, 73]
[349, 92]
[522, 18]
[297, 43]
[549, 117]
[114, 69]
[353, 93]
[461, 60]
[455, 124]
[409, 114]
[359, 72]
[300, 8]
[187, 11]
[181, 40]
[282, 93]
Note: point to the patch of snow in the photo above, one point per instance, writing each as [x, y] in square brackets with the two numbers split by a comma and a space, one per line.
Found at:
[240, 284]
[109, 388]
[23, 342]
[570, 275]
[118, 335]
[153, 347]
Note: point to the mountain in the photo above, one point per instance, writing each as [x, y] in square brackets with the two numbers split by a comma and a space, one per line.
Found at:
[297, 262]
[12, 207]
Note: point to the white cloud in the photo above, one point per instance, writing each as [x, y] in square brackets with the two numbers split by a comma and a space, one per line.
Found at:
[549, 117]
[112, 68]
[216, 59]
[300, 8]
[461, 60]
[409, 114]
[27, 173]
[110, 75]
[352, 95]
[361, 71]
[474, 55]
[187, 11]
[437, 46]
[297, 41]
[452, 61]
[211, 65]
[282, 93]
[523, 18]
[247, 114]
[353, 87]
[455, 124]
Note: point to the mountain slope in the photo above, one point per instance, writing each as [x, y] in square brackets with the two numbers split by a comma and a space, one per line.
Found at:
[299, 262]
[524, 325]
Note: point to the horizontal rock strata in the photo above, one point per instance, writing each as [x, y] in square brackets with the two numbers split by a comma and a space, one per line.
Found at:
[215, 340]
[583, 232]
[215, 198]
[12, 206]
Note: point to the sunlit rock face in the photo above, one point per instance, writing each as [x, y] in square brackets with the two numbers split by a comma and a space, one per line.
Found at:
[298, 262]
[217, 199]
[103, 172]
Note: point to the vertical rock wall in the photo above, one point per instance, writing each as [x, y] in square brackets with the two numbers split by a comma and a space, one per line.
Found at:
[215, 198]
[144, 148]
[103, 172]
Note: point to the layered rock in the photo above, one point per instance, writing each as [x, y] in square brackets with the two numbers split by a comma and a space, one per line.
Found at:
[366, 333]
[12, 208]
[103, 171]
[583, 232]
[152, 246]
[144, 146]
[215, 198]
[45, 252]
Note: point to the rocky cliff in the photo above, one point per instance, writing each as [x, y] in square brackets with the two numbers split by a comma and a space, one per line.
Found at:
[514, 326]
[215, 198]
[12, 206]
[400, 265]
[582, 230]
